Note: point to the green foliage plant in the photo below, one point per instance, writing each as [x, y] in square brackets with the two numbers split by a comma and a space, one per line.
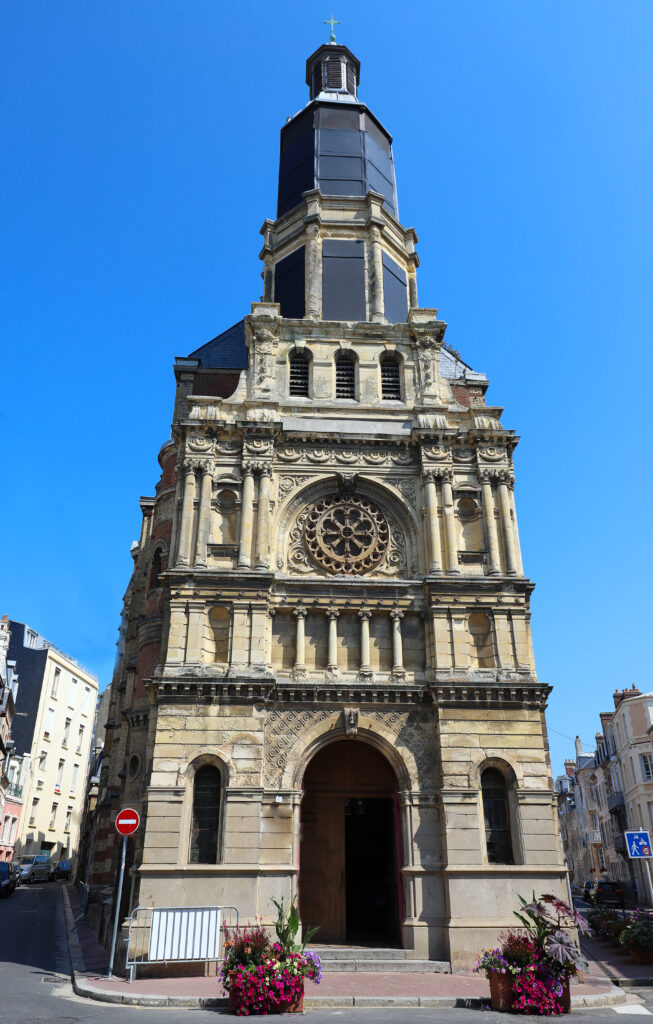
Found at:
[287, 926]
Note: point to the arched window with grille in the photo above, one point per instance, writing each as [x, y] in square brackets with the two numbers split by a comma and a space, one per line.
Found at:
[345, 375]
[205, 827]
[298, 366]
[498, 839]
[390, 379]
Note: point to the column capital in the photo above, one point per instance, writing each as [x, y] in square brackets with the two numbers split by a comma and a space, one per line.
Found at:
[365, 614]
[444, 473]
[332, 612]
[396, 613]
[299, 612]
[429, 476]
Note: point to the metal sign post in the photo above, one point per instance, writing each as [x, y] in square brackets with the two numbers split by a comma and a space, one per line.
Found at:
[127, 822]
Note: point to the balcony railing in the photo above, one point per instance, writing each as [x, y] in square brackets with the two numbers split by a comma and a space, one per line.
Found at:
[15, 790]
[594, 835]
[616, 801]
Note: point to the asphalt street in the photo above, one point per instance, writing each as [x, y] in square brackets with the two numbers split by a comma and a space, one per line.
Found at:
[35, 982]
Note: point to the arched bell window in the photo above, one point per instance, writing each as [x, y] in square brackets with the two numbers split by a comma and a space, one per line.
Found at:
[390, 379]
[498, 840]
[298, 366]
[155, 571]
[345, 376]
[205, 829]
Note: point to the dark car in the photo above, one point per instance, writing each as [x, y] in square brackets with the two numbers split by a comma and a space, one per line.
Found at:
[7, 879]
[607, 894]
[587, 888]
[63, 869]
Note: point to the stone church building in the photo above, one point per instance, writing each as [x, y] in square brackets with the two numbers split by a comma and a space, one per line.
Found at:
[325, 682]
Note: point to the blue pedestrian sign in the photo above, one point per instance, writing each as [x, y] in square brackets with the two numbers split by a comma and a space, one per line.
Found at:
[638, 843]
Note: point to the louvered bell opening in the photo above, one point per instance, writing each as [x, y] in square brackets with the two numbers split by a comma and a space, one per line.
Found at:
[299, 374]
[351, 79]
[390, 381]
[317, 79]
[334, 73]
[345, 378]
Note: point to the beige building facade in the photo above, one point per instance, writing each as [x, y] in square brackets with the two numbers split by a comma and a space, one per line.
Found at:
[325, 681]
[52, 733]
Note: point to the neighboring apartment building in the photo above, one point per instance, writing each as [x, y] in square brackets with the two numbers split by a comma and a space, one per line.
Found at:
[53, 731]
[10, 802]
[602, 795]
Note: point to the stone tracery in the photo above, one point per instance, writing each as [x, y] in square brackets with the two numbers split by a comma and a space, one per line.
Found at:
[346, 534]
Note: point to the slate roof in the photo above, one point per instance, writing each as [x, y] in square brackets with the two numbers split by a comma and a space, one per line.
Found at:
[227, 351]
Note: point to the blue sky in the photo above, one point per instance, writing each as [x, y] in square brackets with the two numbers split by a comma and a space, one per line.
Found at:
[141, 147]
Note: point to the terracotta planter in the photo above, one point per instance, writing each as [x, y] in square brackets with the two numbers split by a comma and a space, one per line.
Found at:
[642, 956]
[500, 991]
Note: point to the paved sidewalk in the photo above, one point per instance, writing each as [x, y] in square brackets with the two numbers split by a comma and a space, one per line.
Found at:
[612, 964]
[90, 963]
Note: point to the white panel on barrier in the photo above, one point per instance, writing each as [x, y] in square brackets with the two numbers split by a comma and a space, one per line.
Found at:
[185, 934]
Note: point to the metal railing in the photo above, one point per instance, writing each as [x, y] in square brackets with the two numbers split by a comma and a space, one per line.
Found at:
[15, 790]
[159, 935]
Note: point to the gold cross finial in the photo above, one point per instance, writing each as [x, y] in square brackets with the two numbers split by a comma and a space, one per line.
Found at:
[332, 22]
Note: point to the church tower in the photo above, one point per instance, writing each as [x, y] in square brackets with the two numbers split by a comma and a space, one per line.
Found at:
[325, 682]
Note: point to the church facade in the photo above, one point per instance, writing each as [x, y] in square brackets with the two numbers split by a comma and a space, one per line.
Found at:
[326, 683]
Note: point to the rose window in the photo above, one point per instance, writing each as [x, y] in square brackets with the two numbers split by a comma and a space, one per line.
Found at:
[346, 534]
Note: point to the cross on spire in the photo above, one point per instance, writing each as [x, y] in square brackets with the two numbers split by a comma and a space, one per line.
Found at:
[332, 22]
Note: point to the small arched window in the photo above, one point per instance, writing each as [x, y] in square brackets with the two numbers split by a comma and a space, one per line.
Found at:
[298, 373]
[206, 816]
[498, 840]
[390, 379]
[345, 376]
[482, 646]
[155, 570]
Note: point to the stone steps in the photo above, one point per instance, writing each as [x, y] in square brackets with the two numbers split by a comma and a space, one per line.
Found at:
[382, 961]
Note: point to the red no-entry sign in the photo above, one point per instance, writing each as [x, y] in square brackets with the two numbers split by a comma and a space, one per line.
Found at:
[127, 821]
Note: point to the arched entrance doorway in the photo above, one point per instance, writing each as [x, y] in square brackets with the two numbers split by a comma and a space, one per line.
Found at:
[349, 848]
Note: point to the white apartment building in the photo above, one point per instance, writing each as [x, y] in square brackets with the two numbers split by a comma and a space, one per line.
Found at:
[53, 728]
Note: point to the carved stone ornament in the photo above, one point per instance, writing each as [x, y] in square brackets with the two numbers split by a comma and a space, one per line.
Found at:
[463, 454]
[492, 452]
[200, 443]
[346, 534]
[257, 448]
[339, 455]
[265, 347]
[350, 716]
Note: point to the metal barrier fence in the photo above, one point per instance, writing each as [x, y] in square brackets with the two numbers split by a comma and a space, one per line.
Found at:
[159, 935]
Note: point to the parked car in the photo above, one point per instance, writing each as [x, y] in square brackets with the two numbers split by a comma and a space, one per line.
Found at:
[607, 894]
[35, 869]
[7, 880]
[63, 869]
[15, 867]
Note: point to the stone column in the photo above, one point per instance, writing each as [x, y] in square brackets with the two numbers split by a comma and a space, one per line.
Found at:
[196, 613]
[449, 522]
[397, 646]
[412, 291]
[204, 522]
[365, 668]
[506, 522]
[300, 640]
[263, 519]
[433, 524]
[176, 523]
[332, 647]
[494, 559]
[187, 515]
[313, 288]
[376, 262]
[515, 531]
[246, 518]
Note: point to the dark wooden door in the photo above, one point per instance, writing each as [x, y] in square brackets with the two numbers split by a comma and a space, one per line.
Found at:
[342, 772]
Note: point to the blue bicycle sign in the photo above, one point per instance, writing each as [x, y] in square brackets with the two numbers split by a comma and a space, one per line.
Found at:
[638, 843]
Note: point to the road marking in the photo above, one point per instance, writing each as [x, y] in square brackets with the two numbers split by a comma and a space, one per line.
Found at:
[632, 1009]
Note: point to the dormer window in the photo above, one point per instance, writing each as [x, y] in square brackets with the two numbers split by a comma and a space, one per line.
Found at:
[345, 376]
[298, 373]
[390, 379]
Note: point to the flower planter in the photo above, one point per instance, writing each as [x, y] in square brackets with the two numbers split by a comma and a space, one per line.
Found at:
[500, 991]
[642, 956]
[294, 1005]
[565, 998]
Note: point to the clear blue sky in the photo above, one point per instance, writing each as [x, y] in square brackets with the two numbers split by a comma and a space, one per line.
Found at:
[141, 145]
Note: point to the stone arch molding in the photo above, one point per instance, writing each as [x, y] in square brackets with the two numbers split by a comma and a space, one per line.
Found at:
[405, 738]
[482, 759]
[401, 555]
[217, 756]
